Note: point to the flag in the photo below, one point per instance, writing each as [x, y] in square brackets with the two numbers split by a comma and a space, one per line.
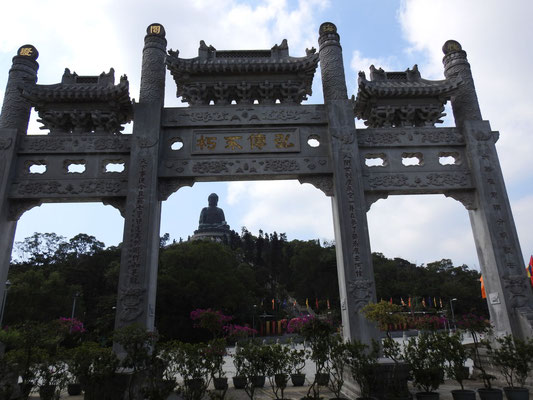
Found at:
[409, 301]
[440, 302]
[294, 303]
[273, 304]
[423, 302]
[483, 294]
[529, 269]
[307, 303]
[390, 301]
[435, 302]
[328, 305]
[316, 303]
[403, 302]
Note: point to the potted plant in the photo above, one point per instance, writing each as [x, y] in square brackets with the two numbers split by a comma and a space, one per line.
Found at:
[278, 368]
[426, 360]
[393, 374]
[478, 326]
[51, 374]
[362, 362]
[297, 362]
[160, 379]
[95, 367]
[317, 333]
[194, 369]
[455, 356]
[215, 352]
[239, 380]
[255, 361]
[514, 358]
[337, 364]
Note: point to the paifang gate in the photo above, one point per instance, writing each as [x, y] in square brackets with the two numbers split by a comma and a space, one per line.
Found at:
[245, 121]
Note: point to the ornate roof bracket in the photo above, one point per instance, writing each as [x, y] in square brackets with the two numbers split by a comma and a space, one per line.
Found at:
[372, 197]
[224, 77]
[170, 185]
[322, 182]
[19, 207]
[401, 99]
[466, 197]
[82, 104]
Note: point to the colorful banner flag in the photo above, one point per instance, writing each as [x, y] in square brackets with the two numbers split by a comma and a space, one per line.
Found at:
[316, 303]
[409, 302]
[529, 269]
[390, 301]
[307, 303]
[273, 304]
[423, 302]
[329, 308]
[403, 302]
[435, 302]
[483, 294]
[440, 302]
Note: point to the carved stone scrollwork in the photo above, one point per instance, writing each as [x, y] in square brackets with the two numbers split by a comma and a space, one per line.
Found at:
[169, 186]
[19, 207]
[360, 292]
[466, 197]
[118, 202]
[322, 182]
[5, 143]
[131, 303]
[371, 198]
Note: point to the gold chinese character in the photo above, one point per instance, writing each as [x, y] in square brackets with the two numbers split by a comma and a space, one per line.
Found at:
[282, 141]
[208, 142]
[25, 51]
[257, 140]
[231, 142]
[156, 29]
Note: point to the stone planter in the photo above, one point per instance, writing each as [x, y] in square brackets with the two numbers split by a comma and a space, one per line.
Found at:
[74, 389]
[516, 393]
[48, 392]
[322, 379]
[490, 394]
[298, 379]
[220, 383]
[427, 396]
[281, 380]
[239, 382]
[463, 394]
[258, 381]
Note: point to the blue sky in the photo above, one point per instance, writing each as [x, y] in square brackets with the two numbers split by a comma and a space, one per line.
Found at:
[92, 37]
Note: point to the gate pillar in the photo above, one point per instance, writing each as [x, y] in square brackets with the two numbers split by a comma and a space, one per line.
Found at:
[13, 122]
[354, 259]
[509, 298]
[140, 248]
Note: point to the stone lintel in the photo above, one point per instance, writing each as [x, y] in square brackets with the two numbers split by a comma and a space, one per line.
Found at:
[243, 115]
[68, 190]
[427, 182]
[86, 143]
[400, 137]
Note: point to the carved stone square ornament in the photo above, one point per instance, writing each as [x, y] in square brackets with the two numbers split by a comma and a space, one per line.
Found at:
[245, 121]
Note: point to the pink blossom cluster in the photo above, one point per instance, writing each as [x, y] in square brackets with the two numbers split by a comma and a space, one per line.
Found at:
[238, 331]
[472, 322]
[295, 325]
[73, 325]
[200, 313]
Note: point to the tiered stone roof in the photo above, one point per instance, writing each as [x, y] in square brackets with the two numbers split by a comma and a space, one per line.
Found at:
[243, 76]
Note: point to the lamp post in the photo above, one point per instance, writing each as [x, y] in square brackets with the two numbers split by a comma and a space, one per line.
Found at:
[7, 285]
[76, 295]
[453, 315]
[253, 321]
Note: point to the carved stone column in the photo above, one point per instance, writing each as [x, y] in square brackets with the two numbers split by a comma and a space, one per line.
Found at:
[139, 258]
[13, 121]
[509, 298]
[354, 259]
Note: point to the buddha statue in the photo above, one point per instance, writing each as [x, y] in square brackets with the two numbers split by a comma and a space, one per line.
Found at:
[212, 217]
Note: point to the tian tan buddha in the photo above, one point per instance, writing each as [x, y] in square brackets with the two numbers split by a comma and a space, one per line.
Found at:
[212, 224]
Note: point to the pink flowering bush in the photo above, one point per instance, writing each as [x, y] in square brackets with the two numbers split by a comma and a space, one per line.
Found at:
[72, 325]
[213, 321]
[236, 332]
[296, 325]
